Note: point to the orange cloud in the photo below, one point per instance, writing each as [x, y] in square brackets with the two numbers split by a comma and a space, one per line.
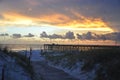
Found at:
[54, 18]
[16, 20]
[85, 22]
[58, 20]
[80, 22]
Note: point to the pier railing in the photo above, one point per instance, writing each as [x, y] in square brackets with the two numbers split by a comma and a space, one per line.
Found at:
[79, 48]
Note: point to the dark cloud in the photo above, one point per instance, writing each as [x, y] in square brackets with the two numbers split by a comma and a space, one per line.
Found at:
[79, 36]
[29, 35]
[6, 34]
[102, 37]
[53, 36]
[16, 36]
[115, 36]
[87, 36]
[43, 35]
[69, 35]
[118, 36]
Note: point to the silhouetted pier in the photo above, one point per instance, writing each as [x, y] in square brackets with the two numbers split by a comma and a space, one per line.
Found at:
[64, 47]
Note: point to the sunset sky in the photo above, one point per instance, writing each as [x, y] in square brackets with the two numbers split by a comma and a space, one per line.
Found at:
[59, 17]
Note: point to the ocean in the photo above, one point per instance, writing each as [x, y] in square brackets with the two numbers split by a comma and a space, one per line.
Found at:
[19, 47]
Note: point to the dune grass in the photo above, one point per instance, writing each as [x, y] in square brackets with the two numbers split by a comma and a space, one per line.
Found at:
[108, 60]
[22, 60]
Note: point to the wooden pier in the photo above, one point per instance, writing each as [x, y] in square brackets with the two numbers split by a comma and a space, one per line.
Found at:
[79, 48]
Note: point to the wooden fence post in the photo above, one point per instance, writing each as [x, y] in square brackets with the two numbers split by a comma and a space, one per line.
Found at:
[3, 72]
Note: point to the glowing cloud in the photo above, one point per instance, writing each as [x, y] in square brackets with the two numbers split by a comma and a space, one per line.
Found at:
[58, 20]
[86, 23]
[13, 19]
